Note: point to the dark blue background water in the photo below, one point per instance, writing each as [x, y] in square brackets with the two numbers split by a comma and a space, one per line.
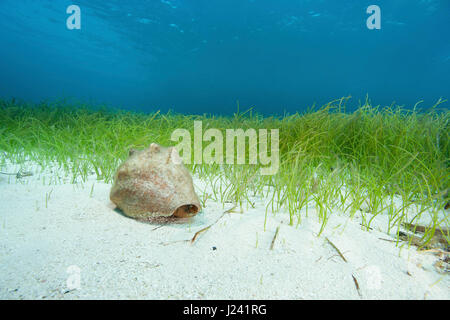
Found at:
[196, 56]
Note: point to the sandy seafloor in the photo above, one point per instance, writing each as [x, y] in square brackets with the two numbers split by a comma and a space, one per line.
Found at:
[66, 241]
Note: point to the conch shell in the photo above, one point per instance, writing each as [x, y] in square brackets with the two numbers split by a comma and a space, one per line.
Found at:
[154, 183]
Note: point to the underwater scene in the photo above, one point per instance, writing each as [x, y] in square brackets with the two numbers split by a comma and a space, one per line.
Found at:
[225, 150]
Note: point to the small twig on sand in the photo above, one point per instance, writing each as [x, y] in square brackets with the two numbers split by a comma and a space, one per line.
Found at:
[206, 228]
[356, 285]
[198, 232]
[157, 227]
[274, 238]
[337, 250]
[343, 258]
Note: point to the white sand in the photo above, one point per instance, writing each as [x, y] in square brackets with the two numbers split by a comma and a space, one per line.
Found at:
[120, 258]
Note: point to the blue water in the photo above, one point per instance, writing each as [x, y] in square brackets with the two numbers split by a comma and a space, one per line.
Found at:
[202, 56]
